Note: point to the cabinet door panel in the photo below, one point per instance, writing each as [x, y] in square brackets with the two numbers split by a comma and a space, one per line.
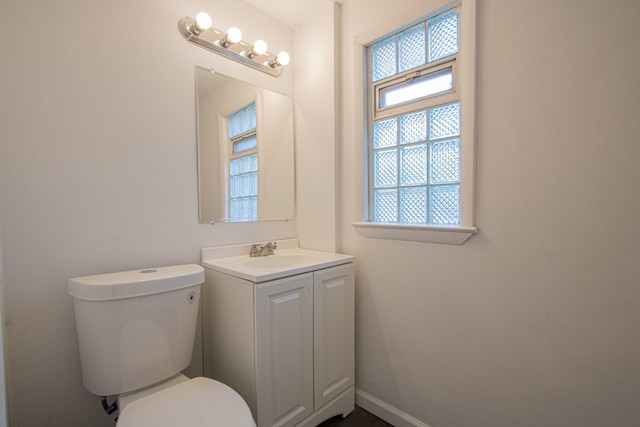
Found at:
[284, 322]
[333, 332]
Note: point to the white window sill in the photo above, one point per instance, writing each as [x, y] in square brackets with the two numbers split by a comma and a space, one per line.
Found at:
[448, 235]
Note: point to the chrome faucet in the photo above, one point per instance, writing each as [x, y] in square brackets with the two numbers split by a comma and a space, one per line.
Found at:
[258, 249]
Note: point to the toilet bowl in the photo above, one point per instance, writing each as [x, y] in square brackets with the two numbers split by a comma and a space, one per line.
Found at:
[191, 402]
[136, 331]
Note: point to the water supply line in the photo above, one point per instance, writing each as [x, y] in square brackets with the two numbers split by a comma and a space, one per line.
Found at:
[111, 410]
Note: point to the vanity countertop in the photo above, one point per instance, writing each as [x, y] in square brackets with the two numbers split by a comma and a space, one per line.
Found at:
[288, 261]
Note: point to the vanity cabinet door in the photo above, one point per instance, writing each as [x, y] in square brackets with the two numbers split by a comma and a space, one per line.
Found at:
[284, 344]
[333, 332]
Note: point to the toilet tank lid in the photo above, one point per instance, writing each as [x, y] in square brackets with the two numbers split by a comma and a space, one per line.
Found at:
[135, 283]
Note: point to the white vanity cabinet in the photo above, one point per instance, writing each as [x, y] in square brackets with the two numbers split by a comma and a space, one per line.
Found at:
[286, 345]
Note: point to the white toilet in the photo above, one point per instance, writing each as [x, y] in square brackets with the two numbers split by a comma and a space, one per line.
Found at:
[136, 331]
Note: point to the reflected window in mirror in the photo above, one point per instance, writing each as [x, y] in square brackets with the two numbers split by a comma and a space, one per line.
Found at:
[242, 204]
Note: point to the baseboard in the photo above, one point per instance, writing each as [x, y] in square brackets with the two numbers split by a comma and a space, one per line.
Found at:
[383, 410]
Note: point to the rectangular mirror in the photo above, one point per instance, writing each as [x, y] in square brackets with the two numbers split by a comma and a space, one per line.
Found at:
[245, 151]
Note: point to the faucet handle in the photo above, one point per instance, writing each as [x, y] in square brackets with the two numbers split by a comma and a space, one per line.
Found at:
[268, 248]
[255, 250]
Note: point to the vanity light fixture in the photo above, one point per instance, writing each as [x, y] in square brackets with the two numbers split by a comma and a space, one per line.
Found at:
[230, 45]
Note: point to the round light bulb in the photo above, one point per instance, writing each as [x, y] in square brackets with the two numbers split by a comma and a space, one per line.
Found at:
[283, 58]
[234, 35]
[260, 47]
[203, 21]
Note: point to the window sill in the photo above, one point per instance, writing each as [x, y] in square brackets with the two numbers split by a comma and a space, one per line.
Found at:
[443, 234]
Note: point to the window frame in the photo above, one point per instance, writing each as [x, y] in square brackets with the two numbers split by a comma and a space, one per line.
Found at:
[463, 91]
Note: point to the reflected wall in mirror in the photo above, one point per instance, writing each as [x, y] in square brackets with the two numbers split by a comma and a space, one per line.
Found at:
[245, 151]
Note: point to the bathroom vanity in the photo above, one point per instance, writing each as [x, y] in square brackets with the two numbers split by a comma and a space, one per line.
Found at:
[280, 331]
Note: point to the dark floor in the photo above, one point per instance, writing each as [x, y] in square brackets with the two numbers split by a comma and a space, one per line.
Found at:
[358, 418]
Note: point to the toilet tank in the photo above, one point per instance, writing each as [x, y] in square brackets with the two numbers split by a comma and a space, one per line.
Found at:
[135, 328]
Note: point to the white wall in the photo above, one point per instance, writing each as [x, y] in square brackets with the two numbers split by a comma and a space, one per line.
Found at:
[535, 320]
[98, 169]
[315, 130]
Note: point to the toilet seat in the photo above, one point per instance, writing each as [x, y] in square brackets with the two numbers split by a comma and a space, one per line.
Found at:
[198, 402]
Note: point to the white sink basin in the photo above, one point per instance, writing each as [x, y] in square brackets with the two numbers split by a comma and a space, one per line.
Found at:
[282, 264]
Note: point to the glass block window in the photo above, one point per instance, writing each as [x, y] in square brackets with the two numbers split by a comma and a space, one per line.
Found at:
[420, 126]
[424, 43]
[384, 58]
[242, 121]
[243, 188]
[416, 171]
[411, 48]
[243, 165]
[443, 35]
[415, 124]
